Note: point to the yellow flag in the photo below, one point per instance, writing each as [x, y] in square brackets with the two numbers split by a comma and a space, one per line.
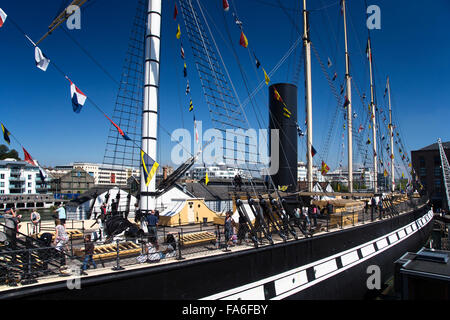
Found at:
[178, 32]
[266, 77]
[206, 178]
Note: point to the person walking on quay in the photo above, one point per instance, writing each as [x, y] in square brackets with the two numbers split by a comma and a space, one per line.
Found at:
[88, 254]
[35, 219]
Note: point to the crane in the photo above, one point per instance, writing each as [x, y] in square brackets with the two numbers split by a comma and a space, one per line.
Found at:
[445, 171]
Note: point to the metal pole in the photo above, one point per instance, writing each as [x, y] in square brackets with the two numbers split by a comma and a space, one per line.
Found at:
[308, 96]
[151, 98]
[118, 267]
[372, 108]
[391, 132]
[349, 105]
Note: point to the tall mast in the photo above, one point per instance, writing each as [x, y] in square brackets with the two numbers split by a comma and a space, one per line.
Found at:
[349, 105]
[391, 133]
[374, 131]
[308, 96]
[151, 98]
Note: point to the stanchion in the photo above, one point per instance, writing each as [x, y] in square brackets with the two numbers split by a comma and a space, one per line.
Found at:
[118, 267]
[179, 257]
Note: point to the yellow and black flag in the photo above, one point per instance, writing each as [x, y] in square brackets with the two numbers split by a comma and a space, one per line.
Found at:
[178, 35]
[150, 166]
[266, 77]
[191, 106]
[6, 134]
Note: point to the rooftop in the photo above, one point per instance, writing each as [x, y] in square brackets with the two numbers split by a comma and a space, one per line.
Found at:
[434, 146]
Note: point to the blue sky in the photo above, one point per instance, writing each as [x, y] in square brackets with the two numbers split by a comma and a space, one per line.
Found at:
[412, 47]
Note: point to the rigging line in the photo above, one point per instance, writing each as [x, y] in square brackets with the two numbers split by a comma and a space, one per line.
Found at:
[272, 72]
[90, 56]
[65, 76]
[252, 102]
[227, 73]
[245, 83]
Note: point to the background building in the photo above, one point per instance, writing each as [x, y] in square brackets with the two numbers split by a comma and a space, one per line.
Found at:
[104, 175]
[19, 177]
[71, 184]
[428, 171]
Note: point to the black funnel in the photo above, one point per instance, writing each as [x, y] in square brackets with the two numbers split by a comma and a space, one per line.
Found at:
[287, 126]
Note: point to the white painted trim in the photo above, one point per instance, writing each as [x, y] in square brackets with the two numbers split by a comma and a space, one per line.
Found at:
[346, 256]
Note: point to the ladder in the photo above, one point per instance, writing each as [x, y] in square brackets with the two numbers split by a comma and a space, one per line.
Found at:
[445, 171]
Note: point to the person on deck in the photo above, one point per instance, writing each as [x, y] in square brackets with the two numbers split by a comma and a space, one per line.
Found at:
[88, 253]
[61, 211]
[35, 219]
[228, 229]
[152, 223]
[61, 239]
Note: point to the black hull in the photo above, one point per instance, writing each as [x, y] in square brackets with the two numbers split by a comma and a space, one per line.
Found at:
[281, 271]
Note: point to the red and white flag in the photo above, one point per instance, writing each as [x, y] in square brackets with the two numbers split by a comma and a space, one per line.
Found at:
[3, 16]
[28, 158]
[77, 96]
[226, 6]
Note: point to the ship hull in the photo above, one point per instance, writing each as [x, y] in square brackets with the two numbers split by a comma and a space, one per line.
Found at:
[329, 266]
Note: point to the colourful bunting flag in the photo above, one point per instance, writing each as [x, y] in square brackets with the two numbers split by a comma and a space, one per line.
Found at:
[119, 130]
[258, 64]
[6, 134]
[149, 167]
[178, 35]
[28, 158]
[243, 40]
[360, 128]
[191, 106]
[266, 77]
[78, 97]
[225, 4]
[313, 151]
[175, 12]
[299, 131]
[3, 16]
[282, 188]
[206, 178]
[329, 63]
[42, 61]
[335, 76]
[185, 70]
[368, 51]
[324, 170]
[346, 102]
[385, 173]
[182, 52]
[188, 88]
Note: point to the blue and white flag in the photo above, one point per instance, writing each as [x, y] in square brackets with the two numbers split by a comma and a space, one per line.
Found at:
[42, 61]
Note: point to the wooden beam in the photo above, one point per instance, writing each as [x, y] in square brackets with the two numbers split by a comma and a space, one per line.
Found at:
[62, 17]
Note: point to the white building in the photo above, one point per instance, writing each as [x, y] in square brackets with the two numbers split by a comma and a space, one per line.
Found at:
[218, 172]
[302, 173]
[19, 177]
[364, 176]
[103, 174]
